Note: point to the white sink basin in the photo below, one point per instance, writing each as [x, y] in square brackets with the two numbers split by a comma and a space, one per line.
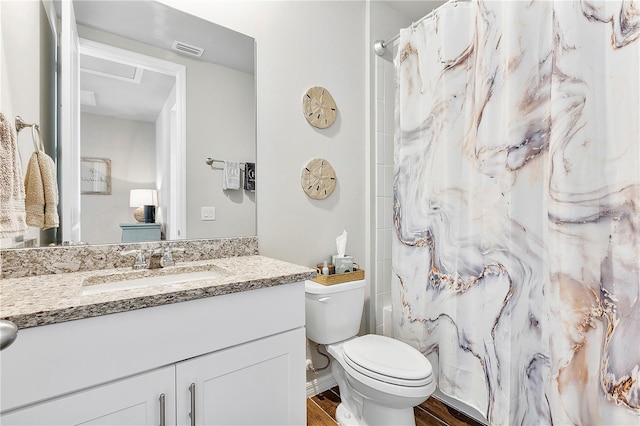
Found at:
[161, 279]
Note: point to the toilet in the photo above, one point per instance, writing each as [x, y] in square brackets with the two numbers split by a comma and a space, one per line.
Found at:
[380, 379]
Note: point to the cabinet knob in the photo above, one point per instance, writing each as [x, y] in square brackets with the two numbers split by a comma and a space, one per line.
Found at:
[8, 333]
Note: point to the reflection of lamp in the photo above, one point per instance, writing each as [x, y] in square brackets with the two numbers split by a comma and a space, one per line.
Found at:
[145, 200]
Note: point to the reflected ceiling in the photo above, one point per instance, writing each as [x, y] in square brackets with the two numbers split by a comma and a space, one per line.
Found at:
[124, 91]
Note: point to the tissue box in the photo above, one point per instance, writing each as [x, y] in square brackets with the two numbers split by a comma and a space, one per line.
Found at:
[342, 263]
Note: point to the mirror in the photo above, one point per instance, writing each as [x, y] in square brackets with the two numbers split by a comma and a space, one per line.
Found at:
[155, 126]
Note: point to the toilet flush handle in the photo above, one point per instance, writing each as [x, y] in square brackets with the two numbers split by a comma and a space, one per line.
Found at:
[324, 299]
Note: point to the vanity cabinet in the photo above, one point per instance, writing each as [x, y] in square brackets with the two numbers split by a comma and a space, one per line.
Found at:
[231, 359]
[243, 385]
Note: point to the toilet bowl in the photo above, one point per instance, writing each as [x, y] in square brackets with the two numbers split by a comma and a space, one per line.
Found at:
[380, 379]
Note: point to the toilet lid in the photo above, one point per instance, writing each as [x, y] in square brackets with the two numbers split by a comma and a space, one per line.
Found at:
[388, 359]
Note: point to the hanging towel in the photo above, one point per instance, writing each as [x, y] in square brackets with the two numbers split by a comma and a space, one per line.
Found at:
[41, 188]
[231, 178]
[250, 176]
[12, 211]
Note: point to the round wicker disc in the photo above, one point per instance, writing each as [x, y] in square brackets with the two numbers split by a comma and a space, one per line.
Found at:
[318, 179]
[319, 108]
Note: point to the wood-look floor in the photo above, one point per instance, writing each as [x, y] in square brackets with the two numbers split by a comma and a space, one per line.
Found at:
[321, 411]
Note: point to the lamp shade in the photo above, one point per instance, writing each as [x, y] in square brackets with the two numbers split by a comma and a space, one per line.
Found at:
[143, 197]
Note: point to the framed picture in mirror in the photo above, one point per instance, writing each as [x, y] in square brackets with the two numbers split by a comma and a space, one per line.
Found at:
[95, 176]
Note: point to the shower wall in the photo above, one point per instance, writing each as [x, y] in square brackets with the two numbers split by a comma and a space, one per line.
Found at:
[384, 127]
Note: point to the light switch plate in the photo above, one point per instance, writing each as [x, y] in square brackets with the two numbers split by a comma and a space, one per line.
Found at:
[208, 213]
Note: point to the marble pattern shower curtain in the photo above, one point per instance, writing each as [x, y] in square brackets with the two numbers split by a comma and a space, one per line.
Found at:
[517, 204]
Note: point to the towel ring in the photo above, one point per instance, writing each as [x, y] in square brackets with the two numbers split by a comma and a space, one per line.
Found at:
[20, 124]
[39, 146]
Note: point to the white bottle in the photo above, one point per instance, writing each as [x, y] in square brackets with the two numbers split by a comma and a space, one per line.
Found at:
[325, 268]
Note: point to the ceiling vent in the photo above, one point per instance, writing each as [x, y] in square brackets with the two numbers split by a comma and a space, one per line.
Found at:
[187, 48]
[87, 98]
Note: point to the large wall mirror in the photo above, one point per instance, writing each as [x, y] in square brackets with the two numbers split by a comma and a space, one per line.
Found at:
[146, 95]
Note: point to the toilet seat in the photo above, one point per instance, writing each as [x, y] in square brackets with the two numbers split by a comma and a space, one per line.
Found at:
[388, 360]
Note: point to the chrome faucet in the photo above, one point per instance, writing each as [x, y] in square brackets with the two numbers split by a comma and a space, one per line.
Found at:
[140, 261]
[167, 256]
[159, 258]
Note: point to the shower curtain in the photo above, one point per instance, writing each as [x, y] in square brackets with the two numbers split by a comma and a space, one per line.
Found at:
[517, 207]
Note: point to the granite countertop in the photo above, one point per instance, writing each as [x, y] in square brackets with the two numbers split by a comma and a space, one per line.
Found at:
[54, 298]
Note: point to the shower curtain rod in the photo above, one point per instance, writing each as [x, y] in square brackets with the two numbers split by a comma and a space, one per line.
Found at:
[380, 46]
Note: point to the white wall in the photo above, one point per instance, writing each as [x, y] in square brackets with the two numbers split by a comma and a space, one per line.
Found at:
[130, 145]
[27, 80]
[221, 125]
[300, 45]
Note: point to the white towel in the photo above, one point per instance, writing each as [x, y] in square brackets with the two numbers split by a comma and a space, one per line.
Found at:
[231, 177]
[12, 211]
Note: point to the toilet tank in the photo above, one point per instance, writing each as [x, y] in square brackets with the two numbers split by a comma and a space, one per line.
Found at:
[333, 312]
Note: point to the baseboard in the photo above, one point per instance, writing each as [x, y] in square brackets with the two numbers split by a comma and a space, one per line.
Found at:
[320, 384]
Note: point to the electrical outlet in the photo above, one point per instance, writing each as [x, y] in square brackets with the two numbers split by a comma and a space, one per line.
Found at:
[207, 213]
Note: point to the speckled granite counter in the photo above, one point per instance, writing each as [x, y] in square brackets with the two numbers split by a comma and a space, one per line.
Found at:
[49, 299]
[16, 263]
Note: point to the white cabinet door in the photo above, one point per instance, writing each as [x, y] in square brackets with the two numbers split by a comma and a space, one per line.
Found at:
[257, 383]
[132, 401]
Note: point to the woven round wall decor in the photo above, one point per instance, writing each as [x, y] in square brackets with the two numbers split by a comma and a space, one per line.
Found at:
[318, 179]
[319, 108]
